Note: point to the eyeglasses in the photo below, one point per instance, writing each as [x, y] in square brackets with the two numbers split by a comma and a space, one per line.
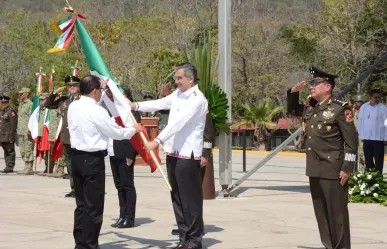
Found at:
[315, 82]
[178, 77]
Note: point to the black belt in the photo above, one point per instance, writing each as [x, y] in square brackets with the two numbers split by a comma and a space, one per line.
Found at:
[99, 153]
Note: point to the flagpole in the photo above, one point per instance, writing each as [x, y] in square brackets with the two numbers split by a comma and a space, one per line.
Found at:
[152, 154]
[36, 144]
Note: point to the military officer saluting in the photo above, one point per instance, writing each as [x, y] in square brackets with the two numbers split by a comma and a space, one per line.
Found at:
[55, 102]
[8, 125]
[330, 157]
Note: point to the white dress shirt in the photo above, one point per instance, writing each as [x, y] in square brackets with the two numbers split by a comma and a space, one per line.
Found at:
[371, 122]
[187, 118]
[91, 127]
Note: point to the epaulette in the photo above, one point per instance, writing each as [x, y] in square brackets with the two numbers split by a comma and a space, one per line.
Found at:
[339, 102]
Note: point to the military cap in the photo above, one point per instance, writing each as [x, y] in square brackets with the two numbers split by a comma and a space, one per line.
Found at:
[320, 76]
[44, 95]
[359, 97]
[25, 90]
[72, 80]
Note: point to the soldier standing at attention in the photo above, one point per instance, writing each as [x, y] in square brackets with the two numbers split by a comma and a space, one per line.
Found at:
[359, 101]
[8, 125]
[42, 119]
[26, 143]
[72, 84]
[53, 127]
[330, 157]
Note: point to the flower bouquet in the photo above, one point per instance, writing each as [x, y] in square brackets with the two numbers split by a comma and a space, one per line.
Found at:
[367, 186]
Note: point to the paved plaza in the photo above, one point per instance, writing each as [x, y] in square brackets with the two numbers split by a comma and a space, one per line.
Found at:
[272, 210]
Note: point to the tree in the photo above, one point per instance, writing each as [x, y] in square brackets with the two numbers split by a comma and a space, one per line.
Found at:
[260, 116]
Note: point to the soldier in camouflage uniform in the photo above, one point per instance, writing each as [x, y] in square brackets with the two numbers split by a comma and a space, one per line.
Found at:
[72, 84]
[42, 117]
[331, 155]
[54, 123]
[359, 101]
[8, 125]
[25, 142]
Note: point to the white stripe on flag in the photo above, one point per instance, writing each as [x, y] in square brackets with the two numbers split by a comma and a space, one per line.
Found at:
[120, 103]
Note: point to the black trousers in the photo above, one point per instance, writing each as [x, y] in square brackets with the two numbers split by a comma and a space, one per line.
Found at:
[187, 202]
[330, 203]
[374, 150]
[123, 176]
[9, 154]
[89, 182]
[68, 157]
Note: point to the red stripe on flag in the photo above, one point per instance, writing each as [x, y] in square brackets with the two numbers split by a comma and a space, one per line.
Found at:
[57, 149]
[138, 144]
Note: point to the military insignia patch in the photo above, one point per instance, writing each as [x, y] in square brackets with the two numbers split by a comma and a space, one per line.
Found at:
[328, 114]
[348, 116]
[329, 128]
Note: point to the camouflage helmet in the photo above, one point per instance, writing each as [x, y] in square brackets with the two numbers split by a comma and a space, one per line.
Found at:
[360, 98]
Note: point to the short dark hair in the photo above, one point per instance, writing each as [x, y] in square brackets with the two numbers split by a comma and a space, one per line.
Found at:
[189, 70]
[375, 91]
[88, 84]
[128, 93]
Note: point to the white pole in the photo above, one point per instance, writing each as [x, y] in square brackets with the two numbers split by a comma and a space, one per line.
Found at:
[225, 150]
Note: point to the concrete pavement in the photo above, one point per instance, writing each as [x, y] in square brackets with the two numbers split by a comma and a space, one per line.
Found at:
[272, 210]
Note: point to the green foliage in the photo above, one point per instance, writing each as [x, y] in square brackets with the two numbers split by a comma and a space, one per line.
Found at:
[368, 186]
[258, 115]
[201, 56]
[218, 106]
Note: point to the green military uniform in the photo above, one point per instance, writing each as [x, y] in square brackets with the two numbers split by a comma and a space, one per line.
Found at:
[332, 143]
[25, 141]
[8, 125]
[54, 101]
[52, 127]
[41, 121]
[208, 141]
[55, 117]
[360, 151]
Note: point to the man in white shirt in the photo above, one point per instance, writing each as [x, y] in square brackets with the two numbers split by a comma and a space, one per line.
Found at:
[182, 140]
[372, 130]
[90, 128]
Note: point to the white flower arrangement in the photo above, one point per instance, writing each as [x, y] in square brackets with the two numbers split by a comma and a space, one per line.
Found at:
[368, 187]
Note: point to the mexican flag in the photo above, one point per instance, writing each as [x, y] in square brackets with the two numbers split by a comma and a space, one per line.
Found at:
[57, 148]
[44, 144]
[119, 108]
[33, 122]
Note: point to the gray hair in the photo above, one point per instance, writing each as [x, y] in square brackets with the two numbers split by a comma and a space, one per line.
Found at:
[189, 70]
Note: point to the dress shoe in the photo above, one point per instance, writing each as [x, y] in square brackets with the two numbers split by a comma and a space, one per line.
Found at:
[180, 245]
[120, 220]
[175, 232]
[192, 247]
[126, 223]
[71, 194]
